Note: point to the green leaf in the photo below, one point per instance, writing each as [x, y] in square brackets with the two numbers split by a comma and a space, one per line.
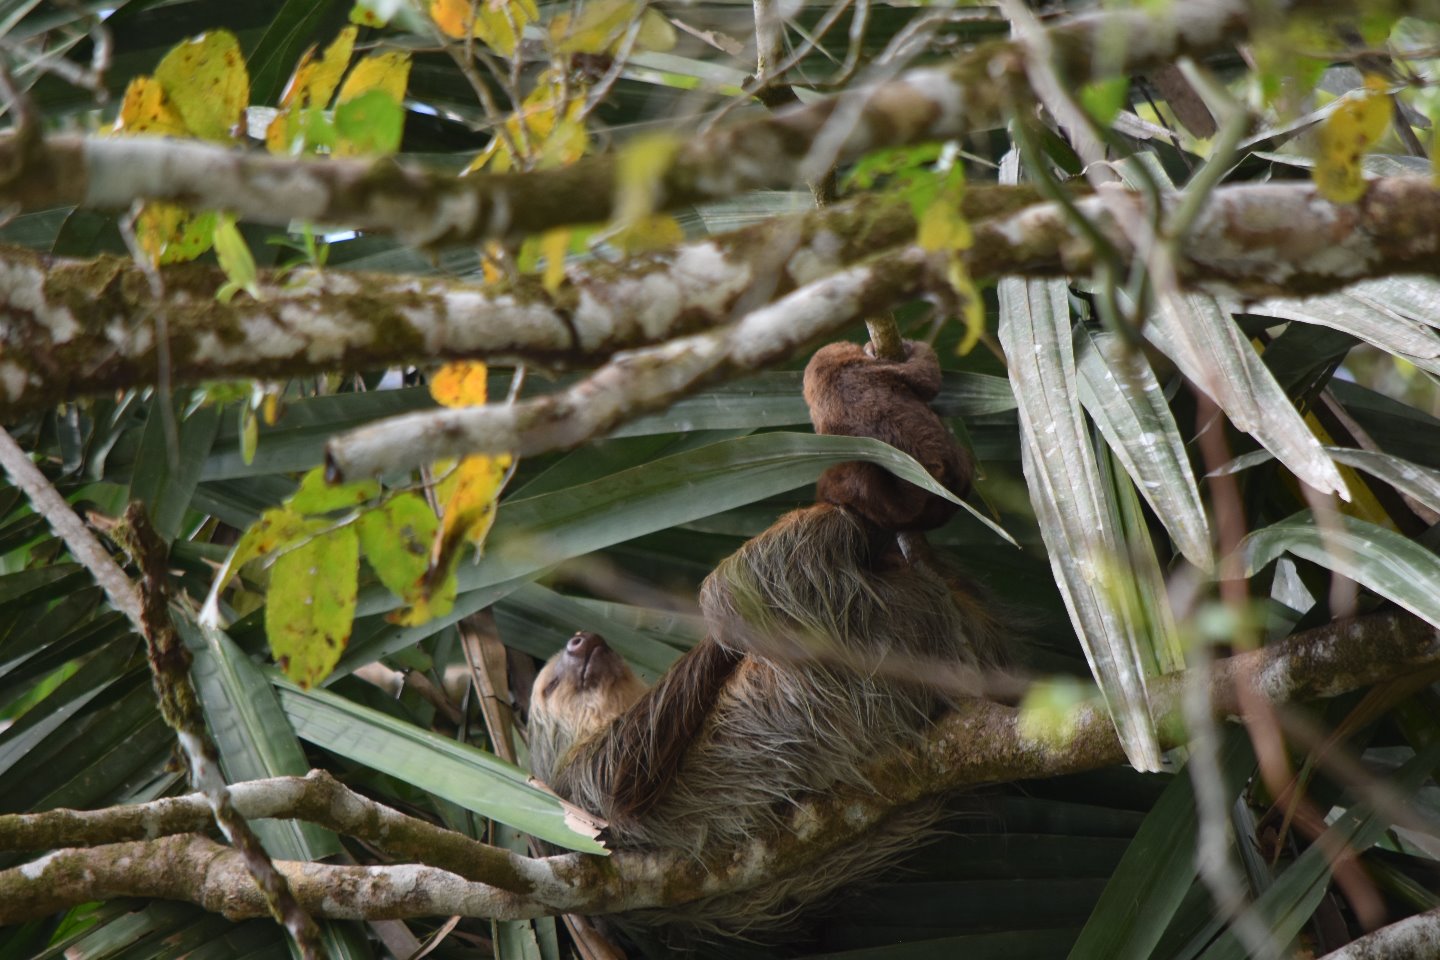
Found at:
[1379, 559]
[235, 259]
[1075, 506]
[166, 474]
[315, 496]
[538, 620]
[1151, 880]
[537, 532]
[472, 778]
[1422, 483]
[1104, 99]
[1287, 904]
[371, 123]
[310, 606]
[243, 715]
[396, 539]
[1122, 395]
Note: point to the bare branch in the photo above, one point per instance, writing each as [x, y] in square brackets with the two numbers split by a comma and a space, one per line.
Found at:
[81, 543]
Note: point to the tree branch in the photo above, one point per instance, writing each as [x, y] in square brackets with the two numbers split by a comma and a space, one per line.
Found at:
[82, 544]
[632, 383]
[425, 208]
[1257, 239]
[82, 327]
[978, 742]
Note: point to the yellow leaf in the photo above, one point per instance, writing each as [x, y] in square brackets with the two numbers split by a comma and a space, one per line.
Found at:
[314, 81]
[640, 168]
[656, 32]
[206, 81]
[554, 245]
[389, 72]
[534, 128]
[146, 109]
[567, 142]
[311, 85]
[468, 498]
[597, 27]
[467, 495]
[459, 384]
[972, 308]
[1356, 124]
[450, 16]
[495, 24]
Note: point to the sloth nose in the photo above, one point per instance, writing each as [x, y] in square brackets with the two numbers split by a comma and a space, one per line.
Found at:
[584, 643]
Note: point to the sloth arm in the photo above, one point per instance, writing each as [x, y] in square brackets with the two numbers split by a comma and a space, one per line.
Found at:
[643, 750]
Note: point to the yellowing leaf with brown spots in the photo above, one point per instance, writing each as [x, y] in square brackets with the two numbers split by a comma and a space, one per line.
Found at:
[1354, 127]
[171, 234]
[467, 494]
[388, 71]
[366, 17]
[276, 528]
[468, 498]
[555, 144]
[146, 109]
[206, 81]
[315, 496]
[396, 540]
[311, 86]
[310, 607]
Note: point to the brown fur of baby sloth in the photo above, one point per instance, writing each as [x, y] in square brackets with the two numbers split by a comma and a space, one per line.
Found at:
[782, 701]
[851, 393]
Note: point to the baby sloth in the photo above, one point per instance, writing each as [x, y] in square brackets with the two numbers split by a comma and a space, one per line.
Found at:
[853, 394]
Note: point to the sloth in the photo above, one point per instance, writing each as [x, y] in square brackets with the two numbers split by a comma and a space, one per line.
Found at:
[853, 394]
[801, 679]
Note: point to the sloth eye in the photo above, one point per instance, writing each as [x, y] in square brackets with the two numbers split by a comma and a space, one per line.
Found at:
[550, 687]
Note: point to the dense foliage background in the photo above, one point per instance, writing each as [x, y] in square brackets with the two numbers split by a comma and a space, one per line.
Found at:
[1151, 463]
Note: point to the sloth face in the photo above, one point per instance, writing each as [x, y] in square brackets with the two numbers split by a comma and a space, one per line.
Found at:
[579, 693]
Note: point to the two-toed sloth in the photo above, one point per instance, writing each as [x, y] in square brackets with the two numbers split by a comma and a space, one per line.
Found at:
[794, 689]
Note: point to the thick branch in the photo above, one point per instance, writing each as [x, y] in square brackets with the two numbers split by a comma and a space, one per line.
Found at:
[979, 742]
[932, 103]
[634, 382]
[1414, 938]
[1259, 239]
[77, 327]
